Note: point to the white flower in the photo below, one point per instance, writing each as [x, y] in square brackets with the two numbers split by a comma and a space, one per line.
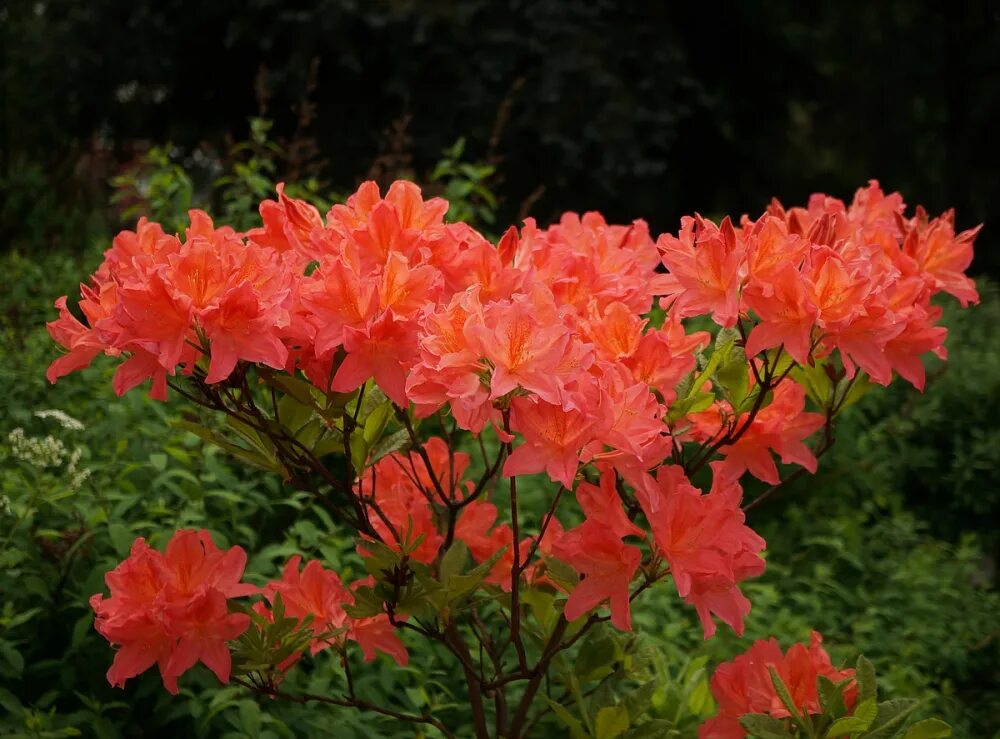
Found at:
[35, 450]
[62, 418]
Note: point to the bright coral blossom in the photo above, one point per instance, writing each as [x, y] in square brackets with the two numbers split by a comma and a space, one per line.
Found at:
[171, 609]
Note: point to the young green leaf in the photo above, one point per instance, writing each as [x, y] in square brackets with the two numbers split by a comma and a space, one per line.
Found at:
[763, 726]
[929, 728]
[611, 722]
[865, 675]
[786, 698]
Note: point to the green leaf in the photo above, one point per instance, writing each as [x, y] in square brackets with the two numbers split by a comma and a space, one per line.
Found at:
[461, 585]
[846, 726]
[695, 403]
[638, 702]
[10, 703]
[780, 365]
[929, 728]
[359, 449]
[12, 657]
[388, 445]
[734, 377]
[454, 561]
[250, 719]
[892, 714]
[864, 716]
[865, 675]
[257, 459]
[375, 423]
[380, 558]
[568, 720]
[699, 699]
[866, 711]
[295, 387]
[815, 381]
[252, 437]
[725, 340]
[366, 603]
[857, 390]
[598, 655]
[786, 698]
[764, 727]
[831, 696]
[543, 607]
[561, 573]
[612, 722]
[121, 538]
[293, 414]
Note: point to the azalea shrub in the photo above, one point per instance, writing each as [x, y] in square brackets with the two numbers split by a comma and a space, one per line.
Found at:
[524, 437]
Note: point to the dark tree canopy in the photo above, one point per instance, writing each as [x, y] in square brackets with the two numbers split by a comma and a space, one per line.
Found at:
[633, 108]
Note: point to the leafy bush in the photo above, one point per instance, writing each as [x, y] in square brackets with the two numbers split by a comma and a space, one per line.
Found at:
[914, 604]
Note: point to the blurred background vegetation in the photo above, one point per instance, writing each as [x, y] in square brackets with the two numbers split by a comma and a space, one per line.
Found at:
[109, 110]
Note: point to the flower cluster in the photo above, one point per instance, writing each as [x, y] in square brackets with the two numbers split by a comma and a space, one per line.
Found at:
[171, 609]
[854, 279]
[744, 686]
[319, 594]
[37, 451]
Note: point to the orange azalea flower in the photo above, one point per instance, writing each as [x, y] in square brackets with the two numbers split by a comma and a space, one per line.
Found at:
[779, 427]
[553, 439]
[319, 593]
[704, 538]
[171, 609]
[704, 263]
[288, 224]
[744, 685]
[787, 312]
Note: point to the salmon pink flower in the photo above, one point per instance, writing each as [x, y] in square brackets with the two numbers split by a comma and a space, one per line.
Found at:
[380, 351]
[171, 609]
[80, 341]
[787, 315]
[523, 351]
[704, 263]
[743, 685]
[706, 542]
[288, 223]
[780, 427]
[553, 440]
[595, 550]
[943, 256]
[318, 593]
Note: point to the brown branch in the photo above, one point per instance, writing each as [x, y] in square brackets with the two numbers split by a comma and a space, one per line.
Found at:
[515, 568]
[360, 704]
[550, 514]
[553, 647]
[472, 680]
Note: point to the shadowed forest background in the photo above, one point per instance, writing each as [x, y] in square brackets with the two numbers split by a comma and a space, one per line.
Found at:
[110, 110]
[633, 108]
